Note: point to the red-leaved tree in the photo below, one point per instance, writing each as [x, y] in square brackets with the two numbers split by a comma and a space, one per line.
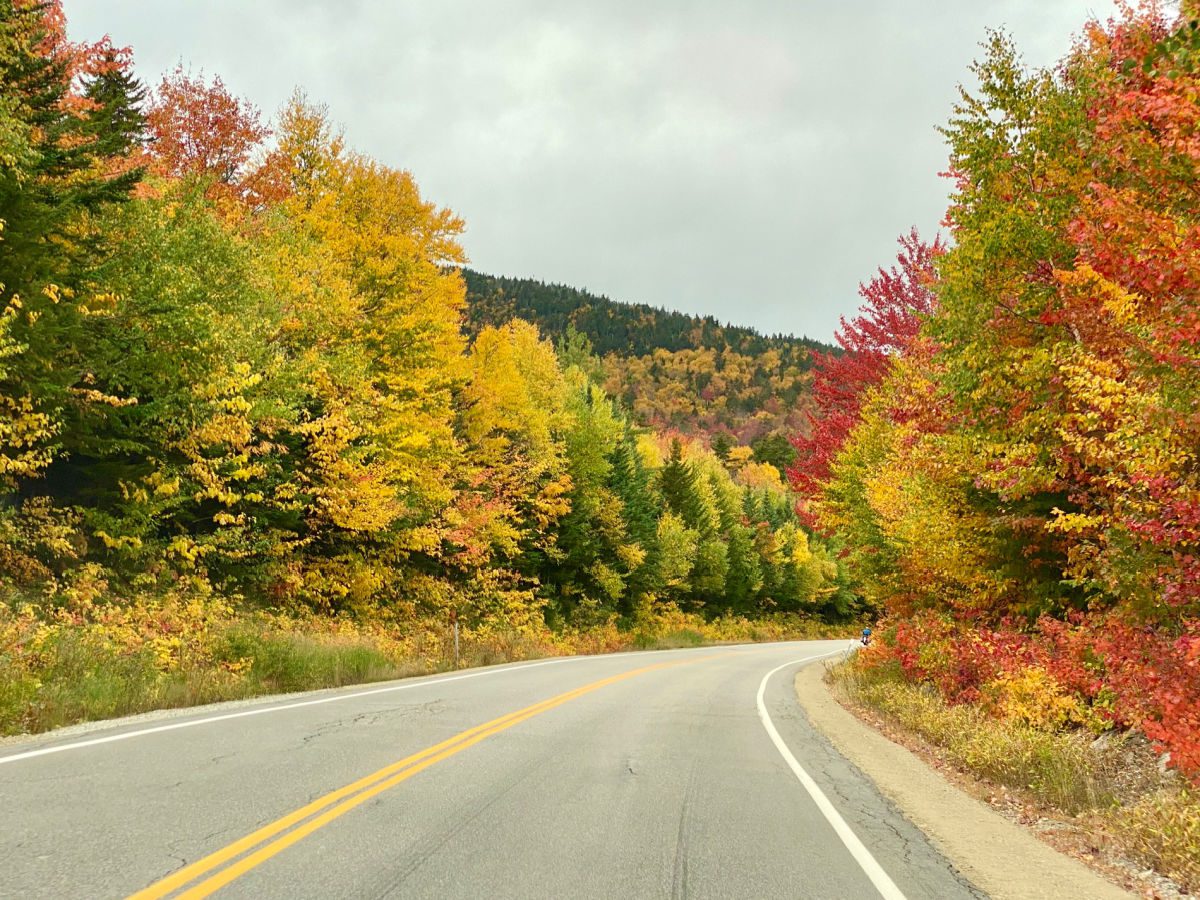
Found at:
[199, 129]
[896, 301]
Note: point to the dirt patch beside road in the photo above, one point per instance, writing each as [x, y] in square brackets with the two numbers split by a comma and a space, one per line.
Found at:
[997, 855]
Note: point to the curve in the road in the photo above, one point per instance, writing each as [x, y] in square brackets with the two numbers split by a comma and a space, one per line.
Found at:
[355, 794]
[870, 866]
[668, 780]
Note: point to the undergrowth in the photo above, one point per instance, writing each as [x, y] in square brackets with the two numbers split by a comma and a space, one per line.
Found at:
[92, 659]
[1113, 780]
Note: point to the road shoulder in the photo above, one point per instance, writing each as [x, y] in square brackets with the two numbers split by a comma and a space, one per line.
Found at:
[995, 854]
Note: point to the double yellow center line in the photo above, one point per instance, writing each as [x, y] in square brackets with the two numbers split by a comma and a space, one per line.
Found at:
[276, 837]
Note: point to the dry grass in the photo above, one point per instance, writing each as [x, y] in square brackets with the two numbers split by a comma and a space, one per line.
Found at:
[1059, 768]
[102, 659]
[1115, 781]
[1163, 832]
[84, 680]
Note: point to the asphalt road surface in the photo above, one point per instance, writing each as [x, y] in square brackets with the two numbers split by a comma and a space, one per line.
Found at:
[687, 773]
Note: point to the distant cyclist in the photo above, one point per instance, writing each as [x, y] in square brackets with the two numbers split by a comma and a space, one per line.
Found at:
[866, 636]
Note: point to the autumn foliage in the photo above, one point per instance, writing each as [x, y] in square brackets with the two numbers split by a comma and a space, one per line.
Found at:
[234, 381]
[671, 370]
[896, 301]
[1018, 483]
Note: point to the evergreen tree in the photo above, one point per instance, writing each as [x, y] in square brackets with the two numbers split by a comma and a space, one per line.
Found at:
[677, 482]
[752, 508]
[117, 123]
[589, 575]
[727, 500]
[744, 577]
[709, 574]
[574, 349]
[632, 483]
[56, 175]
[766, 545]
[775, 449]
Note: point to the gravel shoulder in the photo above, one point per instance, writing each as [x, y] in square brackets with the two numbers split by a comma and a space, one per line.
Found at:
[997, 855]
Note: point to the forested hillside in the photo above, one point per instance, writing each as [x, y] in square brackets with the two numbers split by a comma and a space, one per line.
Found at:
[672, 370]
[243, 436]
[628, 329]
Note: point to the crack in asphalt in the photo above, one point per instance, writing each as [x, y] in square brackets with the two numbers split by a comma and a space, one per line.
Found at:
[422, 856]
[679, 869]
[429, 708]
[687, 763]
[179, 861]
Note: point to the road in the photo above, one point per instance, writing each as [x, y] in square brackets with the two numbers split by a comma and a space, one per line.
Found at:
[627, 776]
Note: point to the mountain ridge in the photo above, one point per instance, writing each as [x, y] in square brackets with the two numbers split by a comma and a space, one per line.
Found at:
[674, 371]
[490, 297]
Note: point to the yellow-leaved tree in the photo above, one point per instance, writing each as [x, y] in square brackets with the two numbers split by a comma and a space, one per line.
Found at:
[371, 325]
[514, 485]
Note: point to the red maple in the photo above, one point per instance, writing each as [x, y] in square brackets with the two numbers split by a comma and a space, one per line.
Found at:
[896, 302]
[200, 128]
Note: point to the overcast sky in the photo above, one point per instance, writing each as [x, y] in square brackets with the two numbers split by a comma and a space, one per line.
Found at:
[753, 160]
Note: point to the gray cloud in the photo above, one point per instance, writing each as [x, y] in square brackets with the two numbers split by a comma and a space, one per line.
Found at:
[755, 161]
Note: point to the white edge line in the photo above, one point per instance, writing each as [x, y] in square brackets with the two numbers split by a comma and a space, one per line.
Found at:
[870, 866]
[262, 710]
[336, 698]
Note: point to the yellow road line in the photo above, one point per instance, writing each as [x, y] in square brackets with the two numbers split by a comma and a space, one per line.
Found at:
[352, 795]
[189, 873]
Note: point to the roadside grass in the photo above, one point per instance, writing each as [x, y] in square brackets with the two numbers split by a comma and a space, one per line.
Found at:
[84, 679]
[106, 660]
[674, 640]
[1113, 781]
[1163, 831]
[1056, 767]
[283, 662]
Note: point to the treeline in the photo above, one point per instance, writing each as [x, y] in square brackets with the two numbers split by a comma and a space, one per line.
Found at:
[1009, 445]
[673, 371]
[627, 329]
[232, 364]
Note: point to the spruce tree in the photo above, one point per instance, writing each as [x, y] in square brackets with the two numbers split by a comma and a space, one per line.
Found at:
[117, 125]
[61, 149]
[677, 482]
[632, 482]
[744, 577]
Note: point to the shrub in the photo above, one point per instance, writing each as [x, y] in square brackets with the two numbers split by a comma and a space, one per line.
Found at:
[1056, 767]
[1100, 671]
[1115, 780]
[91, 654]
[1032, 697]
